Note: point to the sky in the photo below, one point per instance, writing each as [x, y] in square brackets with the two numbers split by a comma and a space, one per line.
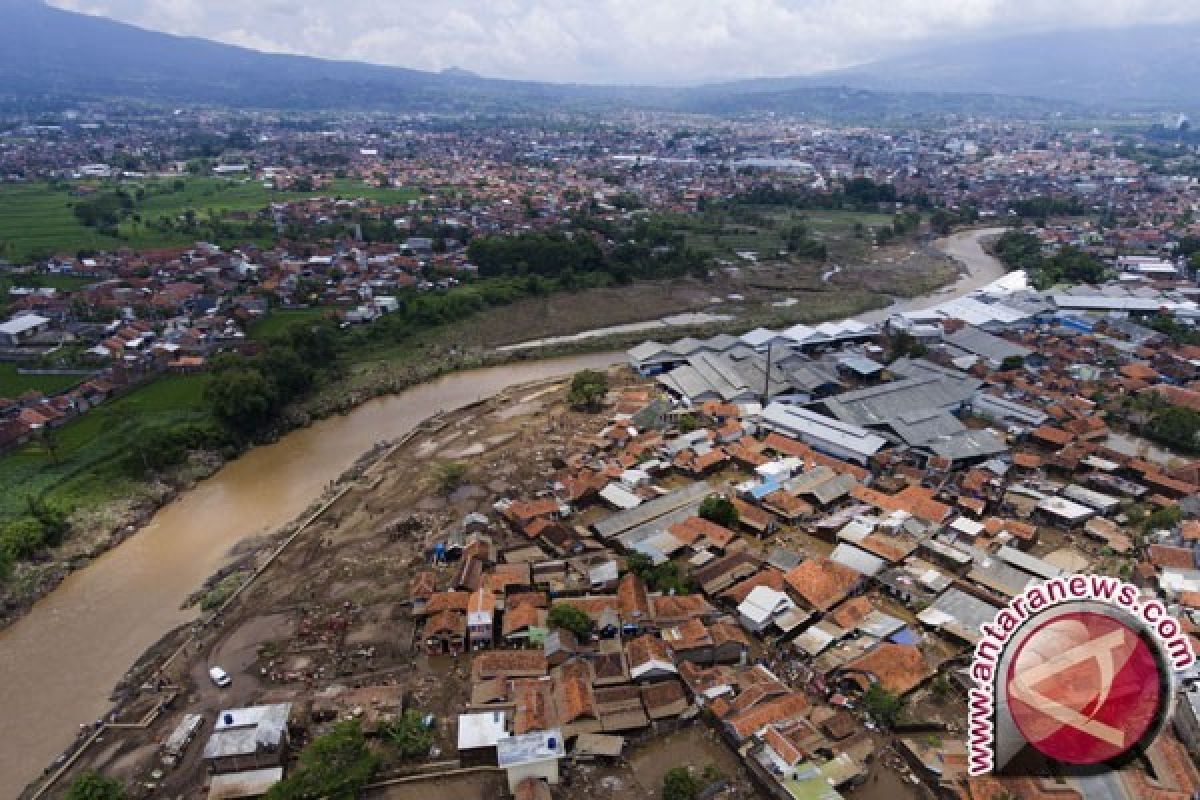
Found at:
[667, 42]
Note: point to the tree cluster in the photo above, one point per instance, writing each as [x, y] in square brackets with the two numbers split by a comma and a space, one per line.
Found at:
[665, 577]
[336, 766]
[41, 526]
[1177, 427]
[588, 388]
[570, 618]
[883, 706]
[1069, 265]
[246, 395]
[719, 509]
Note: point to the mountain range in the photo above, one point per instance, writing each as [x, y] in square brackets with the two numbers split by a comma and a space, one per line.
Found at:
[51, 58]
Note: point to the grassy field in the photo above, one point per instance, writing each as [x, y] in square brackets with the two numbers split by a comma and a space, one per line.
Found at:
[278, 320]
[36, 219]
[13, 384]
[86, 466]
[725, 238]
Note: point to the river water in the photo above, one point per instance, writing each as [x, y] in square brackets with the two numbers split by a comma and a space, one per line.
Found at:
[59, 663]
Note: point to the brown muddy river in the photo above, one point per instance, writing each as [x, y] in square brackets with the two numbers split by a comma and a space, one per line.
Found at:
[59, 663]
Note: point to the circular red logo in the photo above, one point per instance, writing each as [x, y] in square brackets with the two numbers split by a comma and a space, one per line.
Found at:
[1084, 688]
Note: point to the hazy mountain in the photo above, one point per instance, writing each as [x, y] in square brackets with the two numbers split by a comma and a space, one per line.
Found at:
[51, 58]
[1153, 66]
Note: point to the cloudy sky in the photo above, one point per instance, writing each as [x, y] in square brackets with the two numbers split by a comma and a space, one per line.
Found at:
[620, 41]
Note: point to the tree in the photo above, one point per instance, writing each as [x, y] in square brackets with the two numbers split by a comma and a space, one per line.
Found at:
[449, 475]
[720, 510]
[409, 735]
[882, 705]
[21, 538]
[570, 618]
[336, 766]
[91, 785]
[1162, 519]
[665, 577]
[1178, 427]
[1011, 363]
[680, 784]
[242, 399]
[587, 389]
[52, 519]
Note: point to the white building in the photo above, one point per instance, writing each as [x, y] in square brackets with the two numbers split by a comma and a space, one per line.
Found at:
[762, 607]
[531, 754]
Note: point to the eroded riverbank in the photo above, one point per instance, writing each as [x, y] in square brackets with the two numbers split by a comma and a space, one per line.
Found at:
[59, 663]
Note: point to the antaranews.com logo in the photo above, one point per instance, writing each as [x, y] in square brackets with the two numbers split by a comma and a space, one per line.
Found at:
[1081, 668]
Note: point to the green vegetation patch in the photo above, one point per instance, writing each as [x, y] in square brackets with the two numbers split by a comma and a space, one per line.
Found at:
[93, 458]
[38, 220]
[13, 384]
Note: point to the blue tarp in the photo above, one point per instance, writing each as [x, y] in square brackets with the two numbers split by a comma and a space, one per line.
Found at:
[764, 489]
[904, 636]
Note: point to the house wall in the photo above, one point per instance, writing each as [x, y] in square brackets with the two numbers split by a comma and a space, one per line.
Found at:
[547, 769]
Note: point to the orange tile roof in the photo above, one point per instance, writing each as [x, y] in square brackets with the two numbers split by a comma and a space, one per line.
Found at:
[788, 504]
[887, 546]
[1138, 372]
[508, 663]
[852, 612]
[788, 752]
[447, 601]
[482, 601]
[538, 599]
[822, 583]
[916, 500]
[665, 698]
[1020, 530]
[1027, 460]
[744, 451]
[633, 601]
[791, 447]
[741, 590]
[532, 712]
[697, 529]
[1052, 435]
[522, 617]
[573, 691]
[525, 511]
[423, 584]
[899, 668]
[1161, 555]
[789, 706]
[647, 648]
[680, 607]
[751, 516]
[726, 633]
[689, 635]
[446, 622]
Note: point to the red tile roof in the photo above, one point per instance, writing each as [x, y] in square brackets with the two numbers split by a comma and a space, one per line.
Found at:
[822, 583]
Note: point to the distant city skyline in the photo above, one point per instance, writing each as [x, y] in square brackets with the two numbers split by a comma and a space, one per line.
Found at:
[669, 42]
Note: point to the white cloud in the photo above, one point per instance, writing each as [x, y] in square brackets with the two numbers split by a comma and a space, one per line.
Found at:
[619, 41]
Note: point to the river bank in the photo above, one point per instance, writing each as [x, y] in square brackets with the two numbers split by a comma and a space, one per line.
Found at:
[75, 644]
